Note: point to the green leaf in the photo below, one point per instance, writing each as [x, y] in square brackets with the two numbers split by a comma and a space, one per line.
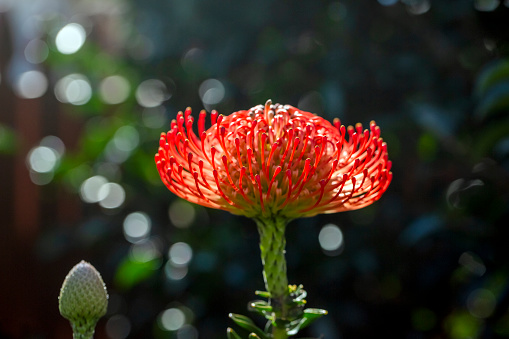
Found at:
[247, 324]
[231, 334]
[254, 336]
[308, 317]
[8, 140]
[261, 307]
[263, 294]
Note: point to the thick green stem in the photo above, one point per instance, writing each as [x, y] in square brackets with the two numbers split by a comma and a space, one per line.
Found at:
[272, 248]
[82, 336]
[83, 329]
[279, 333]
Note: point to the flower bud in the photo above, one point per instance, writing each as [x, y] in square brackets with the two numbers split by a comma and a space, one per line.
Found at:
[83, 299]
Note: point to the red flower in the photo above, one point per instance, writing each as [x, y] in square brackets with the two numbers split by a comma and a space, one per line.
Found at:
[274, 161]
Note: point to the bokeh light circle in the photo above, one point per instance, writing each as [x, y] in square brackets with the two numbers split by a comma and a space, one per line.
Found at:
[172, 319]
[31, 85]
[70, 38]
[114, 89]
[330, 237]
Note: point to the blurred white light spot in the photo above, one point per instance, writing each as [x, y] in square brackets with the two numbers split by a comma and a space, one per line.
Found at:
[172, 319]
[175, 273]
[472, 263]
[418, 7]
[112, 194]
[457, 187]
[74, 89]
[486, 5]
[89, 189]
[152, 93]
[109, 170]
[118, 327]
[36, 51]
[481, 303]
[41, 178]
[330, 237]
[31, 84]
[114, 154]
[144, 251]
[154, 117]
[126, 138]
[211, 92]
[187, 332]
[42, 159]
[181, 213]
[180, 254]
[114, 89]
[192, 60]
[70, 38]
[140, 47]
[137, 226]
[54, 143]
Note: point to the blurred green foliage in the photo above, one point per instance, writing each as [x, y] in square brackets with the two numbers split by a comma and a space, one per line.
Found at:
[8, 140]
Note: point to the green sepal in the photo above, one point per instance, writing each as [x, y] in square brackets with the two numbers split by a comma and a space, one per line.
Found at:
[308, 317]
[231, 334]
[263, 294]
[247, 324]
[262, 307]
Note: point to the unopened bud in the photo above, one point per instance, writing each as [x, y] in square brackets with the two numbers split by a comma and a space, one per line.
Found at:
[83, 299]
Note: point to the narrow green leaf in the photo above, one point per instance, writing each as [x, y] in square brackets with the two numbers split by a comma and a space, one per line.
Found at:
[263, 294]
[253, 336]
[316, 311]
[261, 306]
[231, 334]
[247, 324]
[310, 315]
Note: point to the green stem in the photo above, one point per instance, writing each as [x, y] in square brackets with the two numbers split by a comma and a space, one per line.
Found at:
[279, 333]
[272, 248]
[83, 329]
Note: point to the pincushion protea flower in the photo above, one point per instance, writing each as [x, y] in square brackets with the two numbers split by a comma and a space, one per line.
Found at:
[274, 161]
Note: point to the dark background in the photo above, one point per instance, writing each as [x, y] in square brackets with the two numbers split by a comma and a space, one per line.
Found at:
[429, 260]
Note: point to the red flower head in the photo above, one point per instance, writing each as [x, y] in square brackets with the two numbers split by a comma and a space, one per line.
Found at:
[274, 161]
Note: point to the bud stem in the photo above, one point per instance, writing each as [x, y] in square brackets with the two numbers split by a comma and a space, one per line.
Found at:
[82, 335]
[272, 248]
